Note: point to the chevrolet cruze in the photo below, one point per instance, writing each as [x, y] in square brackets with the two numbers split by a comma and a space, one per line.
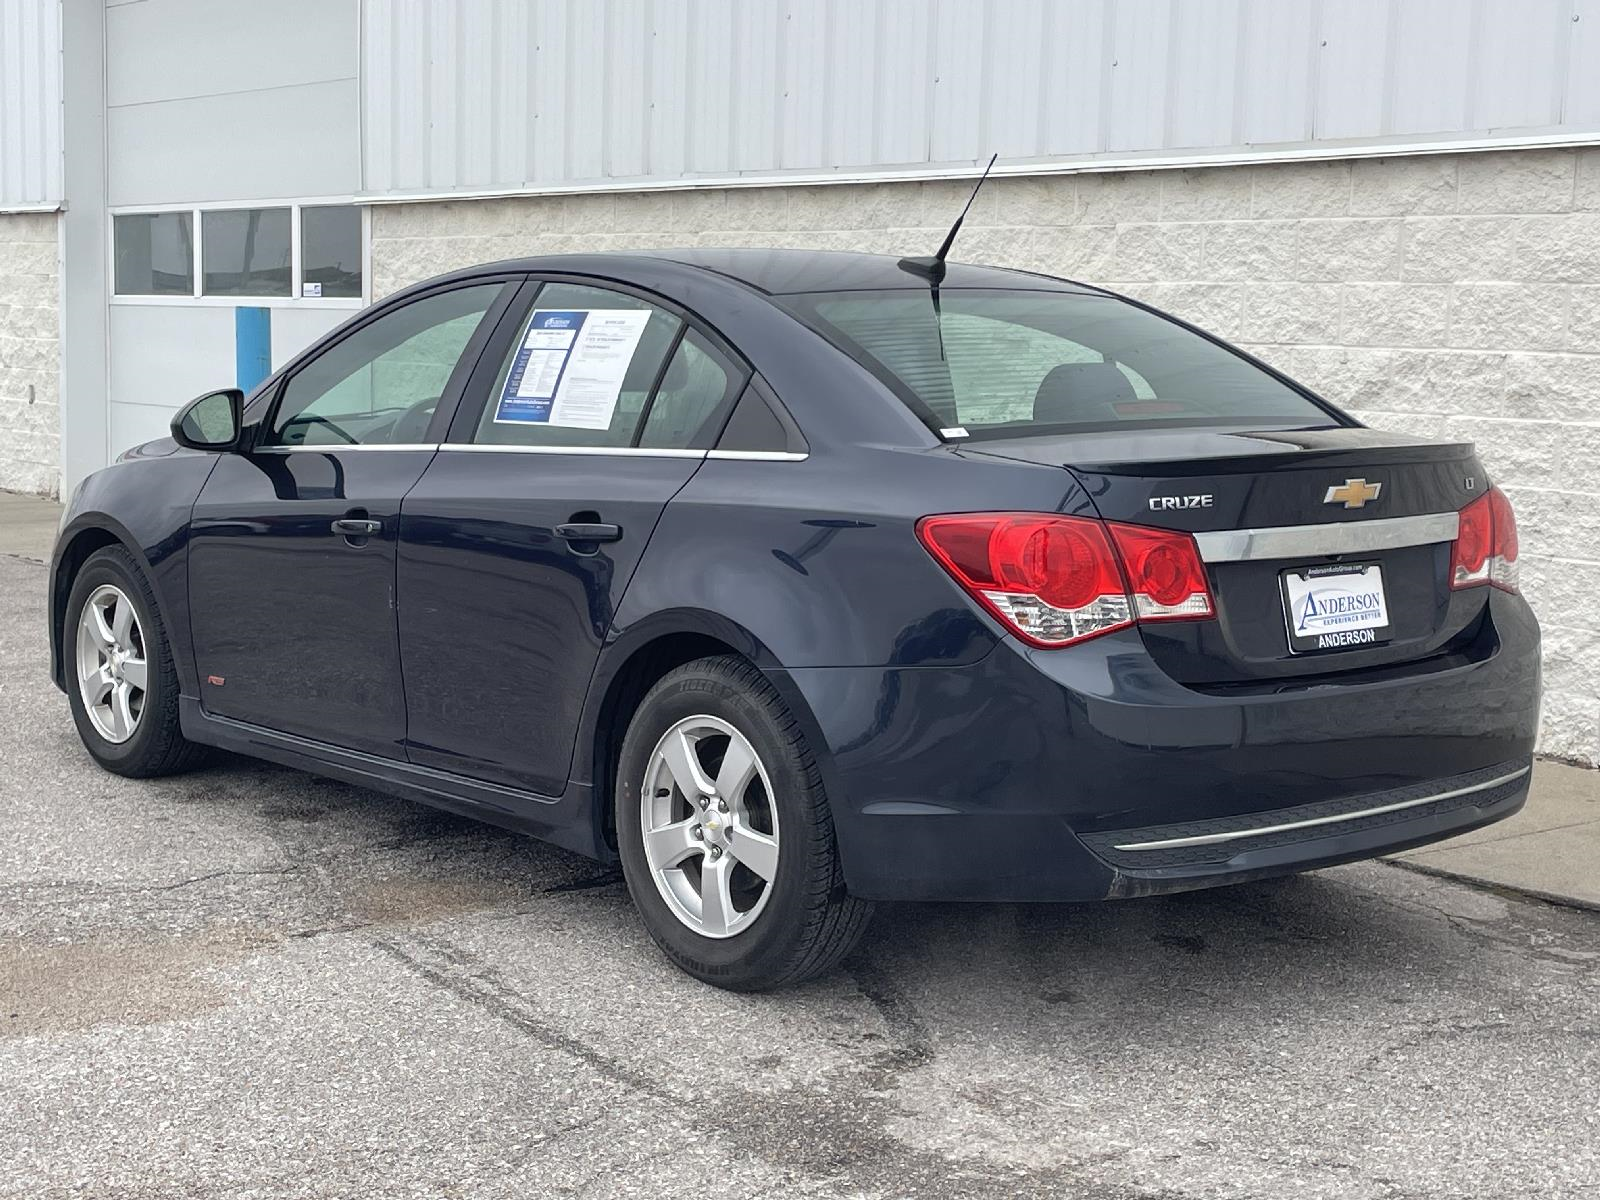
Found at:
[797, 581]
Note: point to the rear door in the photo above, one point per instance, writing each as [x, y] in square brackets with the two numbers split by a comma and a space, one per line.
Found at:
[292, 544]
[592, 407]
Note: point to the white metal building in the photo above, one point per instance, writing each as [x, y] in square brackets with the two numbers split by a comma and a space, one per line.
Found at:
[1396, 200]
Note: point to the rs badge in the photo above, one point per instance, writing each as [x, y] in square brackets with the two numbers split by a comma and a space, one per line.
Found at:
[1353, 493]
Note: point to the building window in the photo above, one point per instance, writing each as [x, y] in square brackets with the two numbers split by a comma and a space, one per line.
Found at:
[304, 252]
[155, 254]
[330, 251]
[245, 252]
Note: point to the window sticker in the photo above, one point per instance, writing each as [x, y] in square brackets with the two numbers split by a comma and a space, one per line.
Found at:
[570, 367]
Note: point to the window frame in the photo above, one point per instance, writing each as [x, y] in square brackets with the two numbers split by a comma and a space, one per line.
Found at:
[199, 299]
[199, 258]
[270, 396]
[476, 396]
[194, 255]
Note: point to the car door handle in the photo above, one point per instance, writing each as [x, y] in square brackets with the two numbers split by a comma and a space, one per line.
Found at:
[584, 531]
[357, 527]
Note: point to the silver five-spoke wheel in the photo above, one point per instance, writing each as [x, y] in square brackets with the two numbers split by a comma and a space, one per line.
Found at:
[710, 826]
[113, 671]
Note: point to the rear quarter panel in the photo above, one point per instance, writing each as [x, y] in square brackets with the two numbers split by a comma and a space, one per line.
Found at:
[819, 561]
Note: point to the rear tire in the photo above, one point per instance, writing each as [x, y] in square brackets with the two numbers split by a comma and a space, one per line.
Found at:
[779, 914]
[121, 681]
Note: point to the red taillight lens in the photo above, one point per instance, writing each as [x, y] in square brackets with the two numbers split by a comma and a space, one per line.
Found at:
[1165, 575]
[1486, 545]
[1505, 574]
[1056, 580]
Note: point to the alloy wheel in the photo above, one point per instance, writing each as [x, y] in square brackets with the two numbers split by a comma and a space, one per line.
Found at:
[710, 826]
[113, 670]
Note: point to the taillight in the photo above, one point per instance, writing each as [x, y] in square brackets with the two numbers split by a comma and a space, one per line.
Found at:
[1486, 544]
[1056, 580]
[1165, 575]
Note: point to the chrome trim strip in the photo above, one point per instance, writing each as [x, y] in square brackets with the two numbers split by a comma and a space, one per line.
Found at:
[341, 447]
[607, 451]
[1343, 537]
[759, 455]
[1234, 835]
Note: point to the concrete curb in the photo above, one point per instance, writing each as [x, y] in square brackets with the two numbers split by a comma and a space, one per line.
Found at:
[1491, 885]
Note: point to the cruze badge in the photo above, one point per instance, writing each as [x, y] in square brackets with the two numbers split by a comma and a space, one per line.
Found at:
[1352, 493]
[1162, 503]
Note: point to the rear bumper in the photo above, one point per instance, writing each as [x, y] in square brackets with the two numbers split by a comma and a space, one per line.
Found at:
[1019, 777]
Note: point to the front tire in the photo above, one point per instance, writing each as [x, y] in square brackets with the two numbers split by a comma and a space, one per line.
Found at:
[121, 681]
[725, 834]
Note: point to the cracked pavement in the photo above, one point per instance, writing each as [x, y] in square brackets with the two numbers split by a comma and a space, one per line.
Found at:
[251, 982]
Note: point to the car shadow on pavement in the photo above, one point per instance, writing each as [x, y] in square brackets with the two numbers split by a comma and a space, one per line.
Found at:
[1365, 929]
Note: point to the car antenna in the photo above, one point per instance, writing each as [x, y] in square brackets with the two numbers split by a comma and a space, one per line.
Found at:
[932, 269]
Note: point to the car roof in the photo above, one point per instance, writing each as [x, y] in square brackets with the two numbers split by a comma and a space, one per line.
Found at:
[784, 272]
[779, 272]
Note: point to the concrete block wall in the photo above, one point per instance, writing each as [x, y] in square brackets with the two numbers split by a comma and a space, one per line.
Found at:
[30, 422]
[1450, 296]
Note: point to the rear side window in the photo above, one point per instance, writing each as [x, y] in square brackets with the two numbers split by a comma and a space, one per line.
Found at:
[1009, 363]
[584, 363]
[695, 393]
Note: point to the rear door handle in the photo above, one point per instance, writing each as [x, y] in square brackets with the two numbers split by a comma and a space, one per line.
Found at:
[357, 527]
[583, 531]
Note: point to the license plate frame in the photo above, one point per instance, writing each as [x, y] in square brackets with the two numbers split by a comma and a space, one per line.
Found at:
[1349, 614]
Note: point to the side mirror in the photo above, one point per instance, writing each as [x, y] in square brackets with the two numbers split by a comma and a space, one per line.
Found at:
[210, 422]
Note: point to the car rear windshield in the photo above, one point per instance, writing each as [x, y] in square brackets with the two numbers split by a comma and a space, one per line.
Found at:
[1011, 363]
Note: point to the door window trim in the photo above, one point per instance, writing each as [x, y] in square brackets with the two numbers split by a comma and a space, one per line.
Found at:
[475, 394]
[449, 399]
[597, 451]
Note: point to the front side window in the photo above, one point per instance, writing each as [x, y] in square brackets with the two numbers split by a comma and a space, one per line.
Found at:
[1010, 363]
[245, 252]
[585, 361]
[381, 385]
[154, 254]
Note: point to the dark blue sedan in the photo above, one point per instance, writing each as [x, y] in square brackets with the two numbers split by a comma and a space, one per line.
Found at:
[797, 581]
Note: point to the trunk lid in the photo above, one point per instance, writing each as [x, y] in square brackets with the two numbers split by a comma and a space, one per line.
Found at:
[1290, 520]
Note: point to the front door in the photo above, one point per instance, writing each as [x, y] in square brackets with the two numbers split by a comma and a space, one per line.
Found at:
[589, 411]
[292, 550]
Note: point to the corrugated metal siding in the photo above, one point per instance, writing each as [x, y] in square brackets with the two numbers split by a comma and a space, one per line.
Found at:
[30, 103]
[488, 94]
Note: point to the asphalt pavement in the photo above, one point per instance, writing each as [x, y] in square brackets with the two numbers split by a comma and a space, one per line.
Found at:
[251, 982]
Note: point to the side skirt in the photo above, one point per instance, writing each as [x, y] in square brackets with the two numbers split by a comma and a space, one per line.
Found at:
[567, 820]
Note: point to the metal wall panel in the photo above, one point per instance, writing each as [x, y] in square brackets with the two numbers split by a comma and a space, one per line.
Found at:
[1353, 53]
[221, 102]
[483, 95]
[30, 103]
[1578, 76]
[1277, 59]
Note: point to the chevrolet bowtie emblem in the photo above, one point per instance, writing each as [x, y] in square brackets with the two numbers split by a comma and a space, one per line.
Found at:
[1353, 493]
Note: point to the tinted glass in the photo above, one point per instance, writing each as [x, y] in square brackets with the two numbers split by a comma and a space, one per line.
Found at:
[381, 384]
[583, 364]
[245, 252]
[1008, 363]
[330, 251]
[693, 397]
[155, 254]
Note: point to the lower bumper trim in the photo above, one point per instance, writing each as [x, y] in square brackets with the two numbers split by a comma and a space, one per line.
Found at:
[1207, 839]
